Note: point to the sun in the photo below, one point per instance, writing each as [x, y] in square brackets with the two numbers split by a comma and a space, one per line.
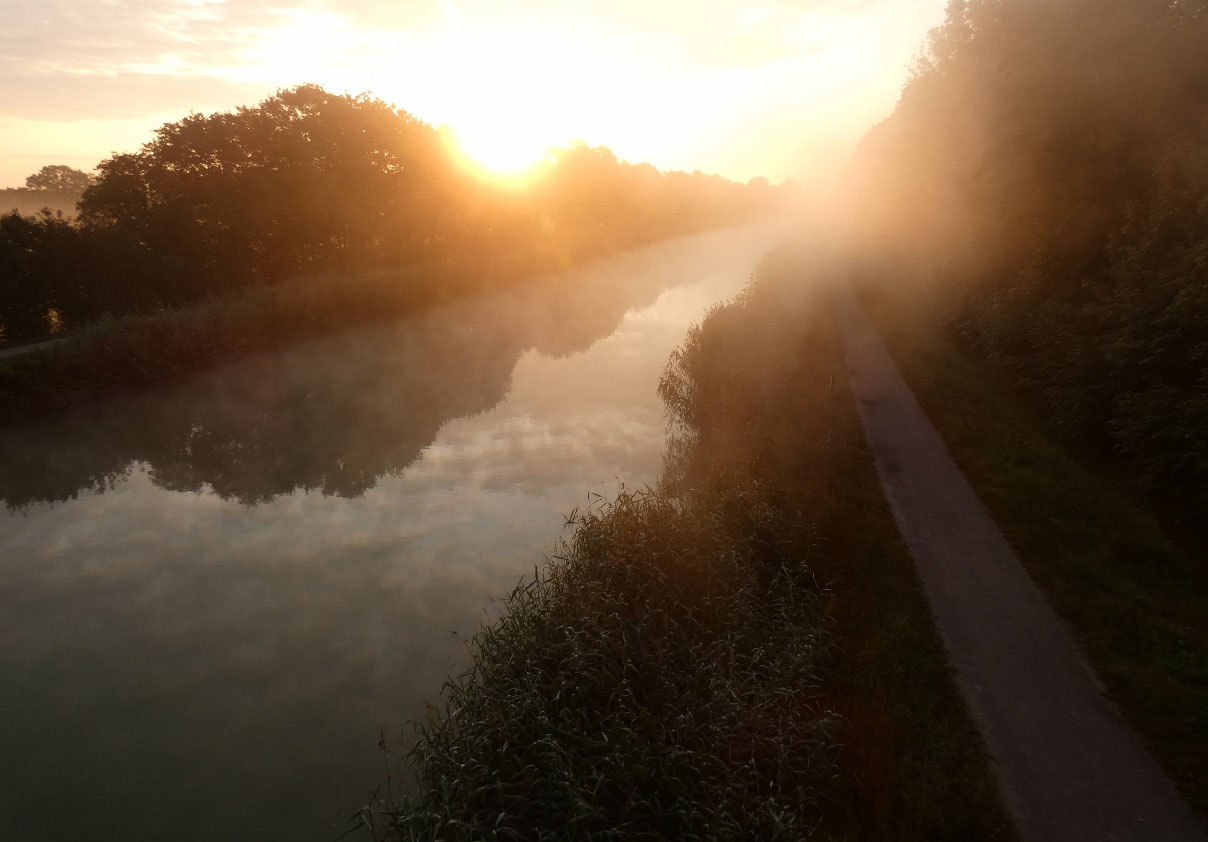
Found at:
[509, 96]
[499, 149]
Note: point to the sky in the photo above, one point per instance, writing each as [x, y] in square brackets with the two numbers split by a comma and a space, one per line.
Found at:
[775, 88]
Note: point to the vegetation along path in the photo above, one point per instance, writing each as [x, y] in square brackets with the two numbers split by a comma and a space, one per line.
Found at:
[1069, 767]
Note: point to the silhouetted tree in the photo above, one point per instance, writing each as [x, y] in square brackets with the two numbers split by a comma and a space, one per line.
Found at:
[305, 180]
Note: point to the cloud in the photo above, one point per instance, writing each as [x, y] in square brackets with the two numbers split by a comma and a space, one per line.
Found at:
[106, 37]
[60, 53]
[119, 96]
[65, 60]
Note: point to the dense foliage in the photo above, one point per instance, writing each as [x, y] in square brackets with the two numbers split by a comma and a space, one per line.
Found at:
[1046, 170]
[309, 182]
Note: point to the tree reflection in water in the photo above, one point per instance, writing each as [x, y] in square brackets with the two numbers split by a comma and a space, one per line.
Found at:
[336, 414]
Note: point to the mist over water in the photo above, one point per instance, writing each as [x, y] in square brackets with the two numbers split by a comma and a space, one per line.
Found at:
[217, 595]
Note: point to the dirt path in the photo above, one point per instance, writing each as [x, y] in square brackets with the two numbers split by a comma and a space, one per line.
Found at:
[1069, 768]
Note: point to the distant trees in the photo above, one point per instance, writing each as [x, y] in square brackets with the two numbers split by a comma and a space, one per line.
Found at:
[59, 178]
[313, 182]
[588, 202]
[1047, 163]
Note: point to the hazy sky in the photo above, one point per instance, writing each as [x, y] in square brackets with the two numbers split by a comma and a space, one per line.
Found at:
[754, 87]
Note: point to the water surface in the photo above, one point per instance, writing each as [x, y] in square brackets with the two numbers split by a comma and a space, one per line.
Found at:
[215, 597]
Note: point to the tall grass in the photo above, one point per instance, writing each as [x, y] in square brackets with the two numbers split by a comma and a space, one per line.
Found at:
[658, 680]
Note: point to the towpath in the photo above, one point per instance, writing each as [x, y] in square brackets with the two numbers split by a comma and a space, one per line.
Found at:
[1070, 769]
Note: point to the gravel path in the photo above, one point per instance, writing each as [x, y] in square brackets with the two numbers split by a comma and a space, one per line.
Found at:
[1069, 767]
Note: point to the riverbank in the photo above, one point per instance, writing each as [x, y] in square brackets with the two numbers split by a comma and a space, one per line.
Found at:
[742, 651]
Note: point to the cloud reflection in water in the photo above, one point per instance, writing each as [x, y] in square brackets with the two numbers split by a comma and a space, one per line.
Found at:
[231, 653]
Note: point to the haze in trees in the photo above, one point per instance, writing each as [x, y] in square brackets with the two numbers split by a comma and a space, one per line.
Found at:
[1045, 175]
[309, 182]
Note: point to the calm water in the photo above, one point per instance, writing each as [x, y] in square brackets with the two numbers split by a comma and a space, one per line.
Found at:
[215, 597]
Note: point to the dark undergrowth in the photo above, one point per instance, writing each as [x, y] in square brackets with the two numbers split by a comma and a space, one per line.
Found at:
[1133, 588]
[742, 652]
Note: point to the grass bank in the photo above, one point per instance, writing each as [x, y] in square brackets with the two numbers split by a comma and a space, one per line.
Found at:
[1134, 591]
[743, 652]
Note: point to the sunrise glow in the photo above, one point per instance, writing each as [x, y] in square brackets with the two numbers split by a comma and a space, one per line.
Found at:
[510, 94]
[741, 90]
[500, 154]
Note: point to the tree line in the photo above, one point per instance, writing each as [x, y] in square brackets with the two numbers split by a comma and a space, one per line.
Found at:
[1045, 174]
[309, 182]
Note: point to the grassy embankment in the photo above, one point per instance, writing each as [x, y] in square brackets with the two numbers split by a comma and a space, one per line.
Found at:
[742, 653]
[1135, 594]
